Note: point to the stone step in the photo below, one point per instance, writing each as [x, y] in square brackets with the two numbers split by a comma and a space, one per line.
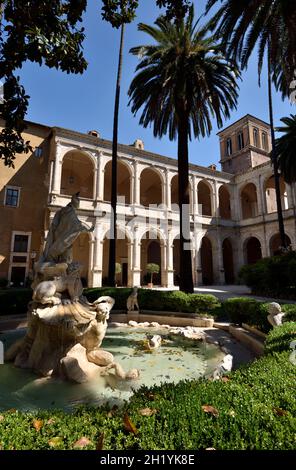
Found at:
[252, 341]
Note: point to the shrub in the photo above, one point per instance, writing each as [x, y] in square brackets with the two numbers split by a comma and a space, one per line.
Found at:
[14, 301]
[290, 312]
[151, 269]
[274, 276]
[240, 309]
[280, 338]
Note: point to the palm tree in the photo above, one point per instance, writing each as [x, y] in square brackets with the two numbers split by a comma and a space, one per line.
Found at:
[285, 149]
[182, 81]
[270, 25]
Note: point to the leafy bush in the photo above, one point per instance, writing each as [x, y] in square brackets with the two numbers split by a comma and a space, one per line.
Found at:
[290, 312]
[274, 276]
[240, 309]
[280, 338]
[14, 301]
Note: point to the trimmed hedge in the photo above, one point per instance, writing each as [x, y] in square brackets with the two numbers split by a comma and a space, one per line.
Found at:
[280, 338]
[272, 277]
[172, 301]
[254, 409]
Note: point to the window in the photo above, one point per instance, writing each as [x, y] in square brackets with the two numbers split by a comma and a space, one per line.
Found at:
[255, 137]
[228, 147]
[240, 140]
[264, 141]
[12, 196]
[20, 243]
[38, 152]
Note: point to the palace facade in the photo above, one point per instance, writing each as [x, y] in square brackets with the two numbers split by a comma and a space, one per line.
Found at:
[233, 218]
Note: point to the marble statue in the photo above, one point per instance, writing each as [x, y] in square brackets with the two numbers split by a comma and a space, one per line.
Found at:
[153, 341]
[132, 300]
[223, 367]
[64, 230]
[276, 315]
[65, 331]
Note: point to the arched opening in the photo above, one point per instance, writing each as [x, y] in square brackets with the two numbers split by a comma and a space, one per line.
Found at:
[81, 254]
[175, 192]
[270, 195]
[204, 198]
[123, 182]
[252, 250]
[224, 203]
[206, 257]
[151, 187]
[151, 252]
[228, 261]
[122, 259]
[249, 201]
[176, 261]
[77, 174]
[275, 244]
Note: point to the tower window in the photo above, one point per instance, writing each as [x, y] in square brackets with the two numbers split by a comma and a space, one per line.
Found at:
[255, 137]
[264, 140]
[228, 147]
[12, 195]
[240, 140]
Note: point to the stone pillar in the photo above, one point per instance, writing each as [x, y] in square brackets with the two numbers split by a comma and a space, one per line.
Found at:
[57, 173]
[261, 199]
[197, 264]
[51, 169]
[170, 261]
[289, 196]
[136, 270]
[95, 192]
[194, 196]
[91, 263]
[215, 200]
[100, 179]
[98, 262]
[130, 249]
[168, 200]
[137, 180]
[219, 275]
[163, 270]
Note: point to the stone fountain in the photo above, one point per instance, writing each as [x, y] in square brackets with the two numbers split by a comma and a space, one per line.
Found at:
[65, 331]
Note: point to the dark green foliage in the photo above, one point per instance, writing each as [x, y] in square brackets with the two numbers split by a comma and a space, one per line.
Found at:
[285, 148]
[14, 301]
[118, 12]
[256, 409]
[280, 338]
[37, 31]
[274, 276]
[290, 310]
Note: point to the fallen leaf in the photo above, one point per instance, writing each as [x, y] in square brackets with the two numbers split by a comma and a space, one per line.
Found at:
[100, 443]
[50, 421]
[147, 411]
[225, 379]
[55, 441]
[37, 424]
[82, 442]
[280, 412]
[210, 409]
[129, 425]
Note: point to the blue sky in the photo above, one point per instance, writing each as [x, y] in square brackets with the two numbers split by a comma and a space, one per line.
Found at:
[85, 102]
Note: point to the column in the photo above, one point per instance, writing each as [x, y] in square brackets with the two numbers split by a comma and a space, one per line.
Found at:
[91, 263]
[261, 202]
[170, 261]
[136, 260]
[215, 200]
[57, 173]
[95, 191]
[197, 264]
[100, 179]
[51, 169]
[220, 274]
[194, 196]
[163, 254]
[98, 263]
[168, 200]
[130, 249]
[136, 200]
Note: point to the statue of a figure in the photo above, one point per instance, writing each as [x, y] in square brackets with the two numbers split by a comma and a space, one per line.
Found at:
[64, 230]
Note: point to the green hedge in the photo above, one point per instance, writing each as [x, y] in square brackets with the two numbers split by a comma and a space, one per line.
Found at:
[254, 409]
[280, 338]
[172, 301]
[273, 277]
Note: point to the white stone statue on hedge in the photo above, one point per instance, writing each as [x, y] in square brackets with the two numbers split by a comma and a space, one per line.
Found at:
[276, 315]
[132, 301]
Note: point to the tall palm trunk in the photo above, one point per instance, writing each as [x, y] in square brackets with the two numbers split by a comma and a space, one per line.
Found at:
[274, 159]
[186, 281]
[113, 219]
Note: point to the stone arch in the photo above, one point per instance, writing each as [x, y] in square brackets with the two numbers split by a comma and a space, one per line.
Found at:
[82, 253]
[124, 178]
[205, 196]
[123, 256]
[228, 265]
[270, 195]
[252, 250]
[249, 201]
[224, 202]
[206, 258]
[176, 259]
[151, 187]
[152, 251]
[275, 243]
[175, 189]
[78, 173]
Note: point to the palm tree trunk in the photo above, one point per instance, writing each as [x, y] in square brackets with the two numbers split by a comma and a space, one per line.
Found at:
[113, 219]
[186, 281]
[274, 159]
